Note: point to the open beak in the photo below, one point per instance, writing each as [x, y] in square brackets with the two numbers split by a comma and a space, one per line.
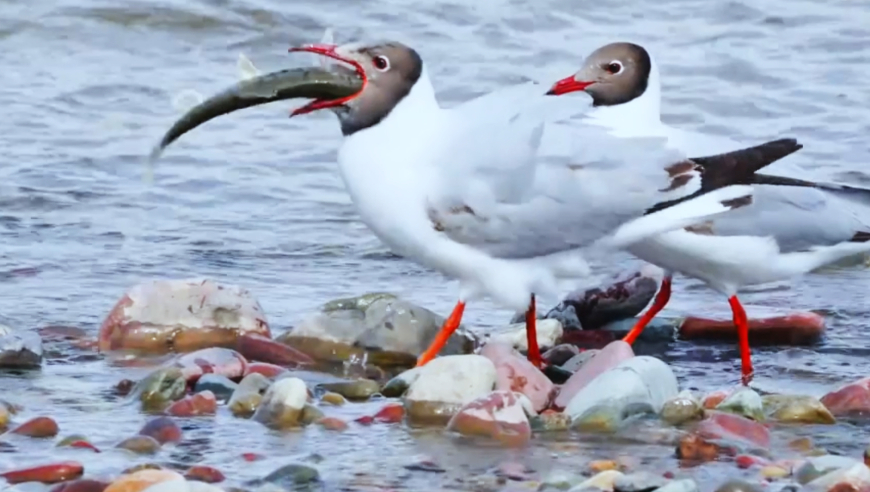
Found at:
[328, 50]
[327, 87]
[566, 85]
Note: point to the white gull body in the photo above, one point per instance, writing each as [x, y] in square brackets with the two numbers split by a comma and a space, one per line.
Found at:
[508, 225]
[789, 230]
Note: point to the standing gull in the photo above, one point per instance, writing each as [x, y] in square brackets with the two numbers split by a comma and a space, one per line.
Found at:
[461, 190]
[795, 226]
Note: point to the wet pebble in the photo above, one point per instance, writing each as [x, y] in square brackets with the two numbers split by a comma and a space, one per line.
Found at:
[81, 485]
[333, 399]
[501, 416]
[203, 403]
[282, 404]
[162, 429]
[271, 371]
[560, 354]
[291, 477]
[212, 360]
[160, 388]
[140, 444]
[549, 333]
[391, 413]
[5, 416]
[247, 397]
[221, 386]
[203, 473]
[140, 480]
[48, 473]
[609, 357]
[548, 421]
[20, 349]
[38, 427]
[745, 402]
[797, 409]
[681, 409]
[332, 423]
[514, 372]
[736, 485]
[445, 384]
[360, 389]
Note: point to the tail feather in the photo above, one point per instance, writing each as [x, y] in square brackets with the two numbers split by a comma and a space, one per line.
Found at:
[820, 256]
[687, 213]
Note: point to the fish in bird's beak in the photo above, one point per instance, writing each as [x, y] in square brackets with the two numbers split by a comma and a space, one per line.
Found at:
[329, 87]
[336, 53]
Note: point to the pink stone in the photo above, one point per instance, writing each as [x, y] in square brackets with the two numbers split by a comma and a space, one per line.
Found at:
[498, 415]
[264, 349]
[271, 371]
[852, 398]
[609, 357]
[515, 373]
[181, 315]
[215, 360]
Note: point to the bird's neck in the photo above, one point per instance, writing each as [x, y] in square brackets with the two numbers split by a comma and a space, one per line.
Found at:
[643, 111]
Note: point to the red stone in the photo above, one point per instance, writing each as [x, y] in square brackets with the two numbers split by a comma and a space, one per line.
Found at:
[271, 371]
[851, 399]
[214, 360]
[51, 473]
[205, 474]
[263, 349]
[251, 456]
[498, 415]
[81, 485]
[793, 329]
[162, 429]
[391, 413]
[365, 420]
[202, 403]
[38, 427]
[748, 461]
[332, 423]
[721, 434]
[713, 399]
[84, 444]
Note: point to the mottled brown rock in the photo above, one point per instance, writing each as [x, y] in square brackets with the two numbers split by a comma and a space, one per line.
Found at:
[499, 416]
[202, 473]
[181, 315]
[162, 429]
[793, 329]
[37, 427]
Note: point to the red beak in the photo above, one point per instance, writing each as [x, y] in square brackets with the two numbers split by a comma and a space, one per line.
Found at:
[327, 50]
[566, 85]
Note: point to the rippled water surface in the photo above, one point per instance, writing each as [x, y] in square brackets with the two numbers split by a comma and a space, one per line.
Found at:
[87, 87]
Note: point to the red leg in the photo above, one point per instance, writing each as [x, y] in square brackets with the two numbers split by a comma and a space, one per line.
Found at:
[742, 324]
[662, 298]
[450, 325]
[534, 353]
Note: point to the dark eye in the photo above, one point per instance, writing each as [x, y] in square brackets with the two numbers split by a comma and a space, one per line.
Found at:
[614, 67]
[381, 63]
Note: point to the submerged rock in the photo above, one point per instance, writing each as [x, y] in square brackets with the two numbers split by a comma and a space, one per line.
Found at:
[221, 386]
[264, 349]
[624, 298]
[160, 388]
[49, 473]
[797, 409]
[383, 329]
[722, 434]
[445, 384]
[37, 427]
[19, 349]
[500, 415]
[682, 408]
[283, 404]
[213, 360]
[181, 315]
[638, 385]
[294, 476]
[247, 397]
[162, 429]
[607, 358]
[203, 403]
[744, 402]
[359, 389]
[549, 333]
[851, 399]
[514, 372]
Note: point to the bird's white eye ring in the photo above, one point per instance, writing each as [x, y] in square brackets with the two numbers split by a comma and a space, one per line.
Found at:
[615, 67]
[381, 62]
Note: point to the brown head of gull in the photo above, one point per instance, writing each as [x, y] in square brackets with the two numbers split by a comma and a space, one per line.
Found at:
[613, 74]
[389, 71]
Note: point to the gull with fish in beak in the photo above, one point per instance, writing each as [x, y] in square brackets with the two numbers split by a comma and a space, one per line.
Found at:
[461, 190]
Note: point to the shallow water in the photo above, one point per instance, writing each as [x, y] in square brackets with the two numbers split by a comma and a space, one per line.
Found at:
[87, 87]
